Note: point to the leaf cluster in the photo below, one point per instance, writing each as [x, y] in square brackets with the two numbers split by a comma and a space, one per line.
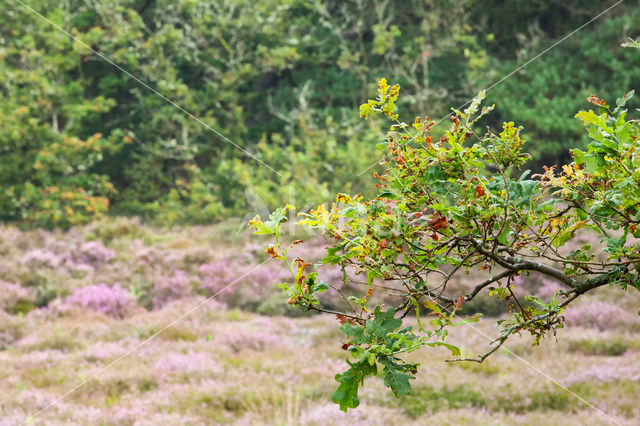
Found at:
[460, 204]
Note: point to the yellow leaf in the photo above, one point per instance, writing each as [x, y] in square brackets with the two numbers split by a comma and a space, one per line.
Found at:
[577, 225]
[384, 87]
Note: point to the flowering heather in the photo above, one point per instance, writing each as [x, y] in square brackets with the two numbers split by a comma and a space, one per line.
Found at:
[146, 415]
[535, 284]
[168, 288]
[323, 414]
[12, 293]
[11, 329]
[605, 373]
[254, 338]
[147, 257]
[38, 257]
[251, 251]
[112, 301]
[257, 283]
[183, 363]
[548, 289]
[93, 253]
[230, 366]
[249, 284]
[601, 315]
[216, 276]
[333, 274]
[109, 350]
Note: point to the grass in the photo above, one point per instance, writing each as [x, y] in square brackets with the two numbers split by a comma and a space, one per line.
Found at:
[224, 365]
[283, 382]
[599, 346]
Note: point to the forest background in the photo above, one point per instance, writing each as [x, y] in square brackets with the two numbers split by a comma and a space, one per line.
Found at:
[280, 79]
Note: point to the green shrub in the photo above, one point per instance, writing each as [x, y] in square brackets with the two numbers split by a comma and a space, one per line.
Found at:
[597, 346]
[426, 398]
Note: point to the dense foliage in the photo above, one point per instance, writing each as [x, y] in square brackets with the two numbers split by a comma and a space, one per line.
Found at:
[546, 95]
[459, 203]
[280, 78]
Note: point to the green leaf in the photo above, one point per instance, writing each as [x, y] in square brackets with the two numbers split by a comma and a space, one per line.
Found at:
[355, 333]
[320, 287]
[387, 194]
[473, 318]
[383, 322]
[582, 214]
[395, 377]
[455, 351]
[347, 393]
[502, 238]
[277, 217]
[590, 117]
[372, 275]
[612, 145]
[622, 101]
[332, 257]
[563, 237]
[432, 306]
[524, 175]
[615, 245]
[259, 227]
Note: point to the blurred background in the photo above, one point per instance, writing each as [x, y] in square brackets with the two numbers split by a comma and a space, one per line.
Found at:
[282, 79]
[119, 212]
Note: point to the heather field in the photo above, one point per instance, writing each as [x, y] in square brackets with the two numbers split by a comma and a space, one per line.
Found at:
[171, 252]
[76, 301]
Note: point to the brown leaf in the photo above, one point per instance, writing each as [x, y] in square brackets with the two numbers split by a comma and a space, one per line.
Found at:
[273, 252]
[437, 222]
[343, 319]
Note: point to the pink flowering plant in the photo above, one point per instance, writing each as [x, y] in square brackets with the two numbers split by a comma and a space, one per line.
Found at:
[457, 203]
[113, 301]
